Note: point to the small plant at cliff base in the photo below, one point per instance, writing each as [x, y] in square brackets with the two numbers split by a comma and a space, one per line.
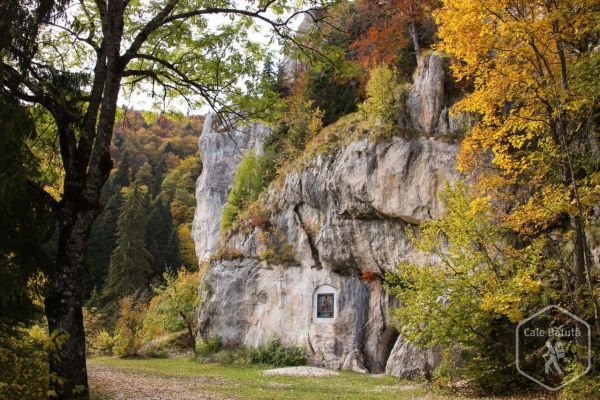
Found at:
[174, 306]
[472, 293]
[381, 106]
[534, 151]
[128, 333]
[276, 354]
[249, 181]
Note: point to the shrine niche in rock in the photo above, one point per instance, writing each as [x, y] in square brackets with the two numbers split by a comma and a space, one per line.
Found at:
[324, 304]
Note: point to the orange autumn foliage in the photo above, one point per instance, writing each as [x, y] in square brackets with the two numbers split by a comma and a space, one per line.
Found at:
[386, 27]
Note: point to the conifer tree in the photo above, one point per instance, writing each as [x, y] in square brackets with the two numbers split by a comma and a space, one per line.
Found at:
[143, 175]
[158, 171]
[130, 263]
[161, 240]
[121, 177]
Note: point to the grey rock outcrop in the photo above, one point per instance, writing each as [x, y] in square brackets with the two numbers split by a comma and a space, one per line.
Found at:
[410, 362]
[426, 100]
[221, 153]
[339, 216]
[344, 213]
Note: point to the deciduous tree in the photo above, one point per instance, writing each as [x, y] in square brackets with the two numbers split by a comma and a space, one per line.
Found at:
[384, 27]
[74, 64]
[535, 147]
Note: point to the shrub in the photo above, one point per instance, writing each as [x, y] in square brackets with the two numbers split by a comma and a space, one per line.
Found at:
[128, 334]
[158, 351]
[383, 96]
[259, 217]
[173, 307]
[227, 253]
[250, 179]
[104, 343]
[24, 353]
[237, 357]
[303, 121]
[272, 353]
[276, 354]
[586, 387]
[288, 139]
[98, 342]
[214, 344]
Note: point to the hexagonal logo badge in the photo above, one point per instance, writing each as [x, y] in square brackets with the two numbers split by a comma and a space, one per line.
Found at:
[553, 347]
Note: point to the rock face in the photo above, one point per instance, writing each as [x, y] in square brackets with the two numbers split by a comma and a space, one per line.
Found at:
[344, 214]
[428, 103]
[410, 362]
[221, 154]
[426, 100]
[331, 227]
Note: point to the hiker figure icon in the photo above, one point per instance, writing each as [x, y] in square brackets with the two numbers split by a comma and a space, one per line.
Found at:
[554, 353]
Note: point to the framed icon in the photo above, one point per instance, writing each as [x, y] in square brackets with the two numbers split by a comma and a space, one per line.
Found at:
[325, 305]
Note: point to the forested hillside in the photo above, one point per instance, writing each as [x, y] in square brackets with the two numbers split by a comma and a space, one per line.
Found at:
[144, 228]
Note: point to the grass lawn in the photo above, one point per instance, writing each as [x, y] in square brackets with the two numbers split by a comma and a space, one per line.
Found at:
[213, 381]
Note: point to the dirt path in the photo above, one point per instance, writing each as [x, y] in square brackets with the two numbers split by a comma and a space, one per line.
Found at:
[119, 384]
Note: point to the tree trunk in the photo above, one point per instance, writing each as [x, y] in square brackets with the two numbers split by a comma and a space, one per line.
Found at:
[579, 246]
[191, 336]
[412, 31]
[64, 300]
[86, 172]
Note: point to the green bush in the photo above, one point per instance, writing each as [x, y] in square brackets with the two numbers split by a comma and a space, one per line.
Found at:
[276, 354]
[213, 345]
[250, 179]
[272, 353]
[383, 98]
[158, 351]
[236, 357]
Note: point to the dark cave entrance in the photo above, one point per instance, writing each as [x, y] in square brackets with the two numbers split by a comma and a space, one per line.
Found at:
[388, 340]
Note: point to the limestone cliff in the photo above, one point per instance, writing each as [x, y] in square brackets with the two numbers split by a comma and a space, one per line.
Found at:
[338, 215]
[221, 154]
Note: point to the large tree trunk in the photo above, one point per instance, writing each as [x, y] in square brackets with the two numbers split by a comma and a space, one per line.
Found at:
[64, 302]
[87, 169]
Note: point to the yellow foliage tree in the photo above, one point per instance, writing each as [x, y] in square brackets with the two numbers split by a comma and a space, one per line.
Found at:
[535, 92]
[381, 104]
[187, 250]
[174, 306]
[128, 333]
